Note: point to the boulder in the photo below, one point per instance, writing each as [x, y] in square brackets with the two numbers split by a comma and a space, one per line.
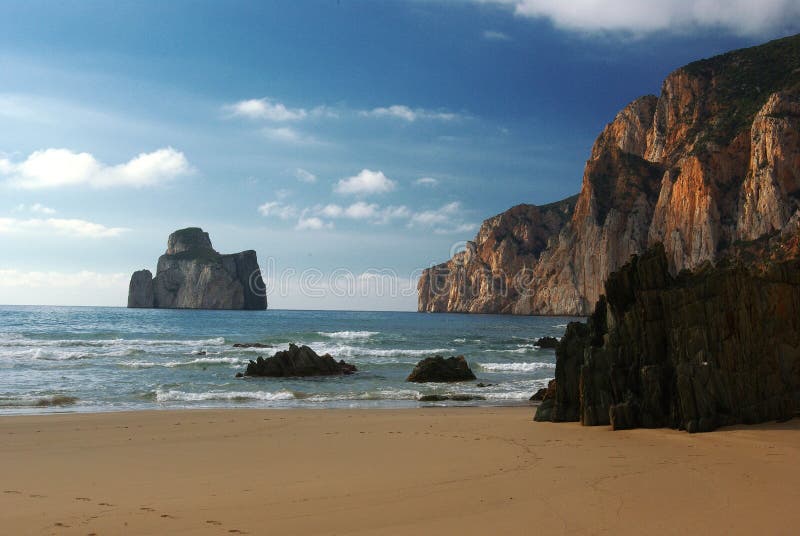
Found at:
[439, 369]
[547, 342]
[298, 361]
[251, 345]
[454, 398]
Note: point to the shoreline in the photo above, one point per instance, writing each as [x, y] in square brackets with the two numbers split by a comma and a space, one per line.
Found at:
[467, 470]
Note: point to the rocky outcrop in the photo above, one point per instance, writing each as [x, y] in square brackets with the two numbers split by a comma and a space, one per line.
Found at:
[487, 275]
[298, 362]
[439, 369]
[703, 349]
[713, 160]
[192, 275]
[140, 290]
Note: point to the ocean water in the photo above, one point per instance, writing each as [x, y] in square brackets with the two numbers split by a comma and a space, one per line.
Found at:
[101, 359]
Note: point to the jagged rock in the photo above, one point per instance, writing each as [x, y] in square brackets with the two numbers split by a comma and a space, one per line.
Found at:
[482, 277]
[298, 361]
[538, 395]
[251, 345]
[192, 275]
[439, 369]
[715, 158]
[140, 290]
[708, 348]
[547, 342]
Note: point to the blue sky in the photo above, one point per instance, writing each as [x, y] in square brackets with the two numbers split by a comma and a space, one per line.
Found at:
[328, 135]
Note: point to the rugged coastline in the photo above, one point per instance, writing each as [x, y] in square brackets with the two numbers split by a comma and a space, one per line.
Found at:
[711, 161]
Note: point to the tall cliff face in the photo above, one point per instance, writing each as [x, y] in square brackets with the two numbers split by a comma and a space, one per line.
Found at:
[485, 277]
[192, 275]
[715, 347]
[712, 160]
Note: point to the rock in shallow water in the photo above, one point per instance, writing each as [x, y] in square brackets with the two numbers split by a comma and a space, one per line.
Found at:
[298, 361]
[439, 369]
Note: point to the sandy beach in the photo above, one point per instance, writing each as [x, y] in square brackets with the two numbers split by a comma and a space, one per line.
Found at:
[414, 471]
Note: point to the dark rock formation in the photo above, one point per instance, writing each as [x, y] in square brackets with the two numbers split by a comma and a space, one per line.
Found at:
[712, 160]
[251, 345]
[547, 342]
[140, 290]
[192, 275]
[439, 369]
[709, 348]
[298, 361]
[455, 398]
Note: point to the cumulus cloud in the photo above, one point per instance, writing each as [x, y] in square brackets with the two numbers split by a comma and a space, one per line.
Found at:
[36, 208]
[304, 175]
[288, 135]
[446, 219]
[60, 226]
[494, 35]
[266, 109]
[366, 182]
[278, 209]
[312, 224]
[400, 111]
[53, 168]
[426, 181]
[744, 17]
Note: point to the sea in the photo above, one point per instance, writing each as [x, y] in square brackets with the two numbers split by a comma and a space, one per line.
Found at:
[89, 359]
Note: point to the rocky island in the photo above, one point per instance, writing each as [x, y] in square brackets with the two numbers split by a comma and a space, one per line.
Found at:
[193, 275]
[713, 160]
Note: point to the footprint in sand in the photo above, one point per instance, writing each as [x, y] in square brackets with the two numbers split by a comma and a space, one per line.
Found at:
[60, 524]
[236, 531]
[212, 522]
[11, 491]
[167, 516]
[104, 504]
[85, 499]
[146, 509]
[36, 496]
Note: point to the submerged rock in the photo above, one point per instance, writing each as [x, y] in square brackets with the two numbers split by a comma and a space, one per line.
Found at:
[193, 275]
[439, 369]
[455, 398]
[298, 361]
[251, 345]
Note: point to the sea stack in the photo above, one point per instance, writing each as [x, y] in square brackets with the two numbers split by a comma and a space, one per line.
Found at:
[193, 275]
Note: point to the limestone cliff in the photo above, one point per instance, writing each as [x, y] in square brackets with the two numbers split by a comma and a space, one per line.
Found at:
[486, 276]
[713, 347]
[713, 160]
[192, 275]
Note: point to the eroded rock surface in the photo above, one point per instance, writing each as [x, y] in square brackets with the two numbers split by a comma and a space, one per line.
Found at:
[193, 275]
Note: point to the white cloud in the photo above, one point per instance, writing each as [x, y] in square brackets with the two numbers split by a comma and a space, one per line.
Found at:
[36, 208]
[288, 135]
[268, 109]
[366, 182]
[278, 209]
[744, 17]
[400, 111]
[53, 168]
[331, 211]
[426, 181]
[494, 35]
[313, 224]
[304, 175]
[361, 211]
[60, 226]
[265, 109]
[446, 219]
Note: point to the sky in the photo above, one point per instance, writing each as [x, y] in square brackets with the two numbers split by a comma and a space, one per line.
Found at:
[350, 143]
